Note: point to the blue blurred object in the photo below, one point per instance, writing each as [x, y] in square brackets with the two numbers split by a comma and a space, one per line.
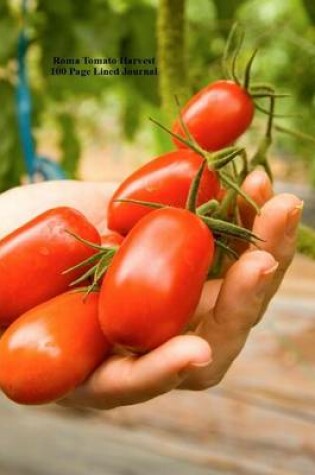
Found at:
[35, 165]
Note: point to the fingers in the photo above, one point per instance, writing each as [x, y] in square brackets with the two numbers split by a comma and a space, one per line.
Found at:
[237, 309]
[277, 226]
[125, 380]
[207, 301]
[243, 290]
[248, 287]
[257, 185]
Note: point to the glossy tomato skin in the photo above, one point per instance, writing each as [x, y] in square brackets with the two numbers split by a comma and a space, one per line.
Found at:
[166, 180]
[111, 239]
[217, 115]
[51, 349]
[154, 283]
[34, 256]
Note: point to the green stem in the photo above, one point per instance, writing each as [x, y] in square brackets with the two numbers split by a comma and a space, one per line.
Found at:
[208, 208]
[261, 156]
[171, 53]
[194, 188]
[232, 184]
[248, 69]
[295, 133]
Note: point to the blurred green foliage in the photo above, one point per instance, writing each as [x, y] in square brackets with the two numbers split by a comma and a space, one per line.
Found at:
[284, 32]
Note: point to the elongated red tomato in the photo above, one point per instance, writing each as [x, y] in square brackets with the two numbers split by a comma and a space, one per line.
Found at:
[34, 256]
[166, 180]
[51, 349]
[216, 116]
[155, 280]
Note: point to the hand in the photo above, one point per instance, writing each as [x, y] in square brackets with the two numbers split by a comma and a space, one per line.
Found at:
[19, 205]
[227, 311]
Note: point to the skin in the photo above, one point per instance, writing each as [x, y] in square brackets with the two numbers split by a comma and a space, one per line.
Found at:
[228, 309]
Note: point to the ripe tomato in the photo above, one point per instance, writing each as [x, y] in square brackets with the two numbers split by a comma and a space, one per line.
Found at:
[34, 256]
[51, 349]
[155, 280]
[166, 180]
[111, 239]
[216, 116]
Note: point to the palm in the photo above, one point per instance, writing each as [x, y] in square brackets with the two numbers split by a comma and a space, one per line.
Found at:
[21, 204]
[227, 310]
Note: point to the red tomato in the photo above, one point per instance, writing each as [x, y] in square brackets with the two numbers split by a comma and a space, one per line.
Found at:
[154, 283]
[166, 180]
[34, 256]
[51, 349]
[111, 239]
[216, 116]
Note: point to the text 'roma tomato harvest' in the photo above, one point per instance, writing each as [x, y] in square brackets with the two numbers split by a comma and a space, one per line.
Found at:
[154, 283]
[216, 116]
[51, 349]
[166, 180]
[34, 256]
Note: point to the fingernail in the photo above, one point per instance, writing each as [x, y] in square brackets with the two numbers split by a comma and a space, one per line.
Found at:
[264, 188]
[187, 371]
[293, 219]
[271, 269]
[266, 276]
[201, 365]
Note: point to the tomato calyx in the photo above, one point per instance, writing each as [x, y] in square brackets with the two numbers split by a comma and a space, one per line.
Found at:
[208, 208]
[221, 228]
[99, 263]
[217, 226]
[217, 160]
[236, 36]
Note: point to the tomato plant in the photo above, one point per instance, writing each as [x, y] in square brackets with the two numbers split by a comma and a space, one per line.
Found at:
[216, 116]
[52, 349]
[155, 280]
[166, 180]
[33, 258]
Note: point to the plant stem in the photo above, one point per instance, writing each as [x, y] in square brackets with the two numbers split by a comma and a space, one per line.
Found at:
[171, 54]
[295, 133]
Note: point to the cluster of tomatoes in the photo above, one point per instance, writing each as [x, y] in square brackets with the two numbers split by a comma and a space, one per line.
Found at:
[136, 287]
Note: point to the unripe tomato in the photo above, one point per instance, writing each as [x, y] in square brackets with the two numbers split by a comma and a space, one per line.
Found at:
[154, 283]
[167, 180]
[51, 349]
[216, 116]
[33, 257]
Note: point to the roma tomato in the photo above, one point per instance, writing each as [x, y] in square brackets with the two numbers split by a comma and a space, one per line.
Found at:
[34, 256]
[166, 180]
[51, 349]
[154, 283]
[111, 239]
[216, 116]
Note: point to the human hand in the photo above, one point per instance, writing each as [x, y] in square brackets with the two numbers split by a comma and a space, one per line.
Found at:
[227, 311]
[21, 204]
